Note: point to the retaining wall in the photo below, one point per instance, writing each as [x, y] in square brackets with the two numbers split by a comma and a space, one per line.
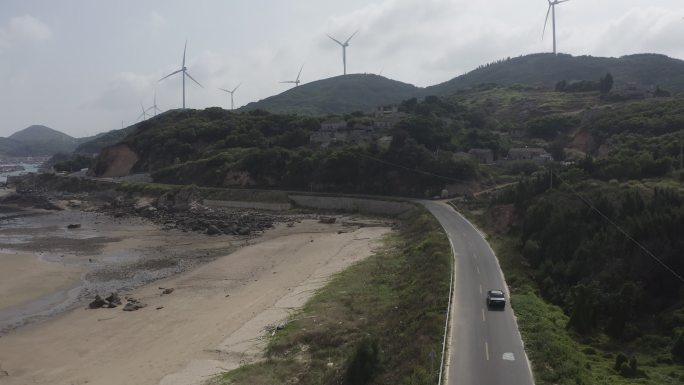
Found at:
[369, 206]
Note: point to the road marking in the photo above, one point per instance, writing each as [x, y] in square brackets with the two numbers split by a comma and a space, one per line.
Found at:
[474, 255]
[478, 269]
[483, 316]
[480, 289]
[508, 357]
[487, 350]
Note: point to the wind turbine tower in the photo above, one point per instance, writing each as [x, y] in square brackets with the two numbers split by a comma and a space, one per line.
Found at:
[184, 72]
[552, 11]
[143, 115]
[344, 48]
[154, 107]
[232, 105]
[296, 81]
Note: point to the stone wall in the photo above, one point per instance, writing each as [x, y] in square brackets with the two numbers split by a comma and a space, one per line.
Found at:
[362, 205]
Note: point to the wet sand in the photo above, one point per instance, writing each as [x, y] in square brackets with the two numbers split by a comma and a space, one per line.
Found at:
[25, 278]
[215, 318]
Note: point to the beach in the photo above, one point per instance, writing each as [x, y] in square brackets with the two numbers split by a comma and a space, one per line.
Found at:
[216, 316]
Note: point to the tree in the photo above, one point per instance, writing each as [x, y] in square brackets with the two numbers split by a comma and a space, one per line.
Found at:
[606, 84]
[678, 349]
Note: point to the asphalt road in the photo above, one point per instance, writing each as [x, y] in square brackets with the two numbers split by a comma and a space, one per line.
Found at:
[485, 347]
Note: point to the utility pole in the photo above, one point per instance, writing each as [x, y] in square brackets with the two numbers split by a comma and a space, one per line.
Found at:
[680, 153]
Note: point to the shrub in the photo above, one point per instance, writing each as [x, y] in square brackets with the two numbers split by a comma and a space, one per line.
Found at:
[364, 364]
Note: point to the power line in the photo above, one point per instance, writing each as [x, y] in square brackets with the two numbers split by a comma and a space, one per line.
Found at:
[620, 229]
[411, 169]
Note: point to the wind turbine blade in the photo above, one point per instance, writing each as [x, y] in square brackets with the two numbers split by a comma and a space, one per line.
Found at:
[193, 79]
[354, 34]
[547, 20]
[184, 49]
[288, 82]
[335, 40]
[300, 73]
[171, 74]
[235, 89]
[562, 1]
[224, 90]
[142, 108]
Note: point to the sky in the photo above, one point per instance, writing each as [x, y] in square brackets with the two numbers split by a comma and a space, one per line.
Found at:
[86, 66]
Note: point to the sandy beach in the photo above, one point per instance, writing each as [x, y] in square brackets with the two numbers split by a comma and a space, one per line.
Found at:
[215, 318]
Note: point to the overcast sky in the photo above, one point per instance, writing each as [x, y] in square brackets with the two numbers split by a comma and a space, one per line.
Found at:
[84, 66]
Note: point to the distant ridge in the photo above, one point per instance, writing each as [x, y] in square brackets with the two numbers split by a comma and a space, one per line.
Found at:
[341, 94]
[546, 70]
[42, 141]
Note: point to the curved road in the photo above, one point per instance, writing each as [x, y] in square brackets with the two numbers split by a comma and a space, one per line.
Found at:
[485, 347]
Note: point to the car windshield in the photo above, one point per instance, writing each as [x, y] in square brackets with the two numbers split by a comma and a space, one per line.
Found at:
[497, 294]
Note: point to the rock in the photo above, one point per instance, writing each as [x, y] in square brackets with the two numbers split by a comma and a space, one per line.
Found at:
[134, 305]
[113, 299]
[97, 303]
[167, 291]
[74, 226]
[280, 326]
[160, 307]
[213, 230]
[4, 373]
[244, 231]
[329, 220]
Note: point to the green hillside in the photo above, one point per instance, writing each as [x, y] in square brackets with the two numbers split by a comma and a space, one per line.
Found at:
[95, 144]
[341, 94]
[546, 70]
[10, 147]
[41, 140]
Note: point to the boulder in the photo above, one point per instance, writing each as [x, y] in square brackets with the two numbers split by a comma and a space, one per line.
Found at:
[329, 220]
[113, 299]
[213, 230]
[97, 303]
[74, 226]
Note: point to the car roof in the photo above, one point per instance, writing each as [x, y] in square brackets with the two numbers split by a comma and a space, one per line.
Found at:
[496, 292]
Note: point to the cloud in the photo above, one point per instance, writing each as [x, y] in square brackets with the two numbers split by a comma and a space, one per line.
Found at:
[123, 92]
[155, 20]
[23, 30]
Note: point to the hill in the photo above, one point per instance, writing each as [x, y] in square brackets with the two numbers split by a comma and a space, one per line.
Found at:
[341, 94]
[10, 147]
[41, 140]
[95, 144]
[644, 70]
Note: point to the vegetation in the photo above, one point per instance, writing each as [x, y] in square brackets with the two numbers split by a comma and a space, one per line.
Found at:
[338, 95]
[547, 69]
[379, 322]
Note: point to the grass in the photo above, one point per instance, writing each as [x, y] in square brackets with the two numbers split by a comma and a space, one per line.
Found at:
[557, 354]
[379, 322]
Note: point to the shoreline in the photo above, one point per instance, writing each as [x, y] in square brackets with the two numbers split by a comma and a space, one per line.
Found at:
[212, 321]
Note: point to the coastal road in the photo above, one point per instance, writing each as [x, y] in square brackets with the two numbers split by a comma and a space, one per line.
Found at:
[485, 347]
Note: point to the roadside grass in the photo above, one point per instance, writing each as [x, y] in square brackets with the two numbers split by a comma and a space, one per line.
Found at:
[556, 353]
[381, 321]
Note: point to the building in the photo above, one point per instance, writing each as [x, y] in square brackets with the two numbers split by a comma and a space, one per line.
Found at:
[530, 153]
[482, 155]
[339, 132]
[387, 110]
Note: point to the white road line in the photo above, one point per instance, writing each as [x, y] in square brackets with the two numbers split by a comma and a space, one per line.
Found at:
[483, 316]
[478, 269]
[487, 350]
[508, 357]
[480, 289]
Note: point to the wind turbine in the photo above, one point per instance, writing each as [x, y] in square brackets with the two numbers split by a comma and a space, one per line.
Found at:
[143, 115]
[344, 48]
[184, 71]
[154, 107]
[552, 11]
[297, 81]
[231, 94]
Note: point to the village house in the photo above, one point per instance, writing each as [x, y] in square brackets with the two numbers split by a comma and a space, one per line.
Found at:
[482, 155]
[338, 131]
[535, 154]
